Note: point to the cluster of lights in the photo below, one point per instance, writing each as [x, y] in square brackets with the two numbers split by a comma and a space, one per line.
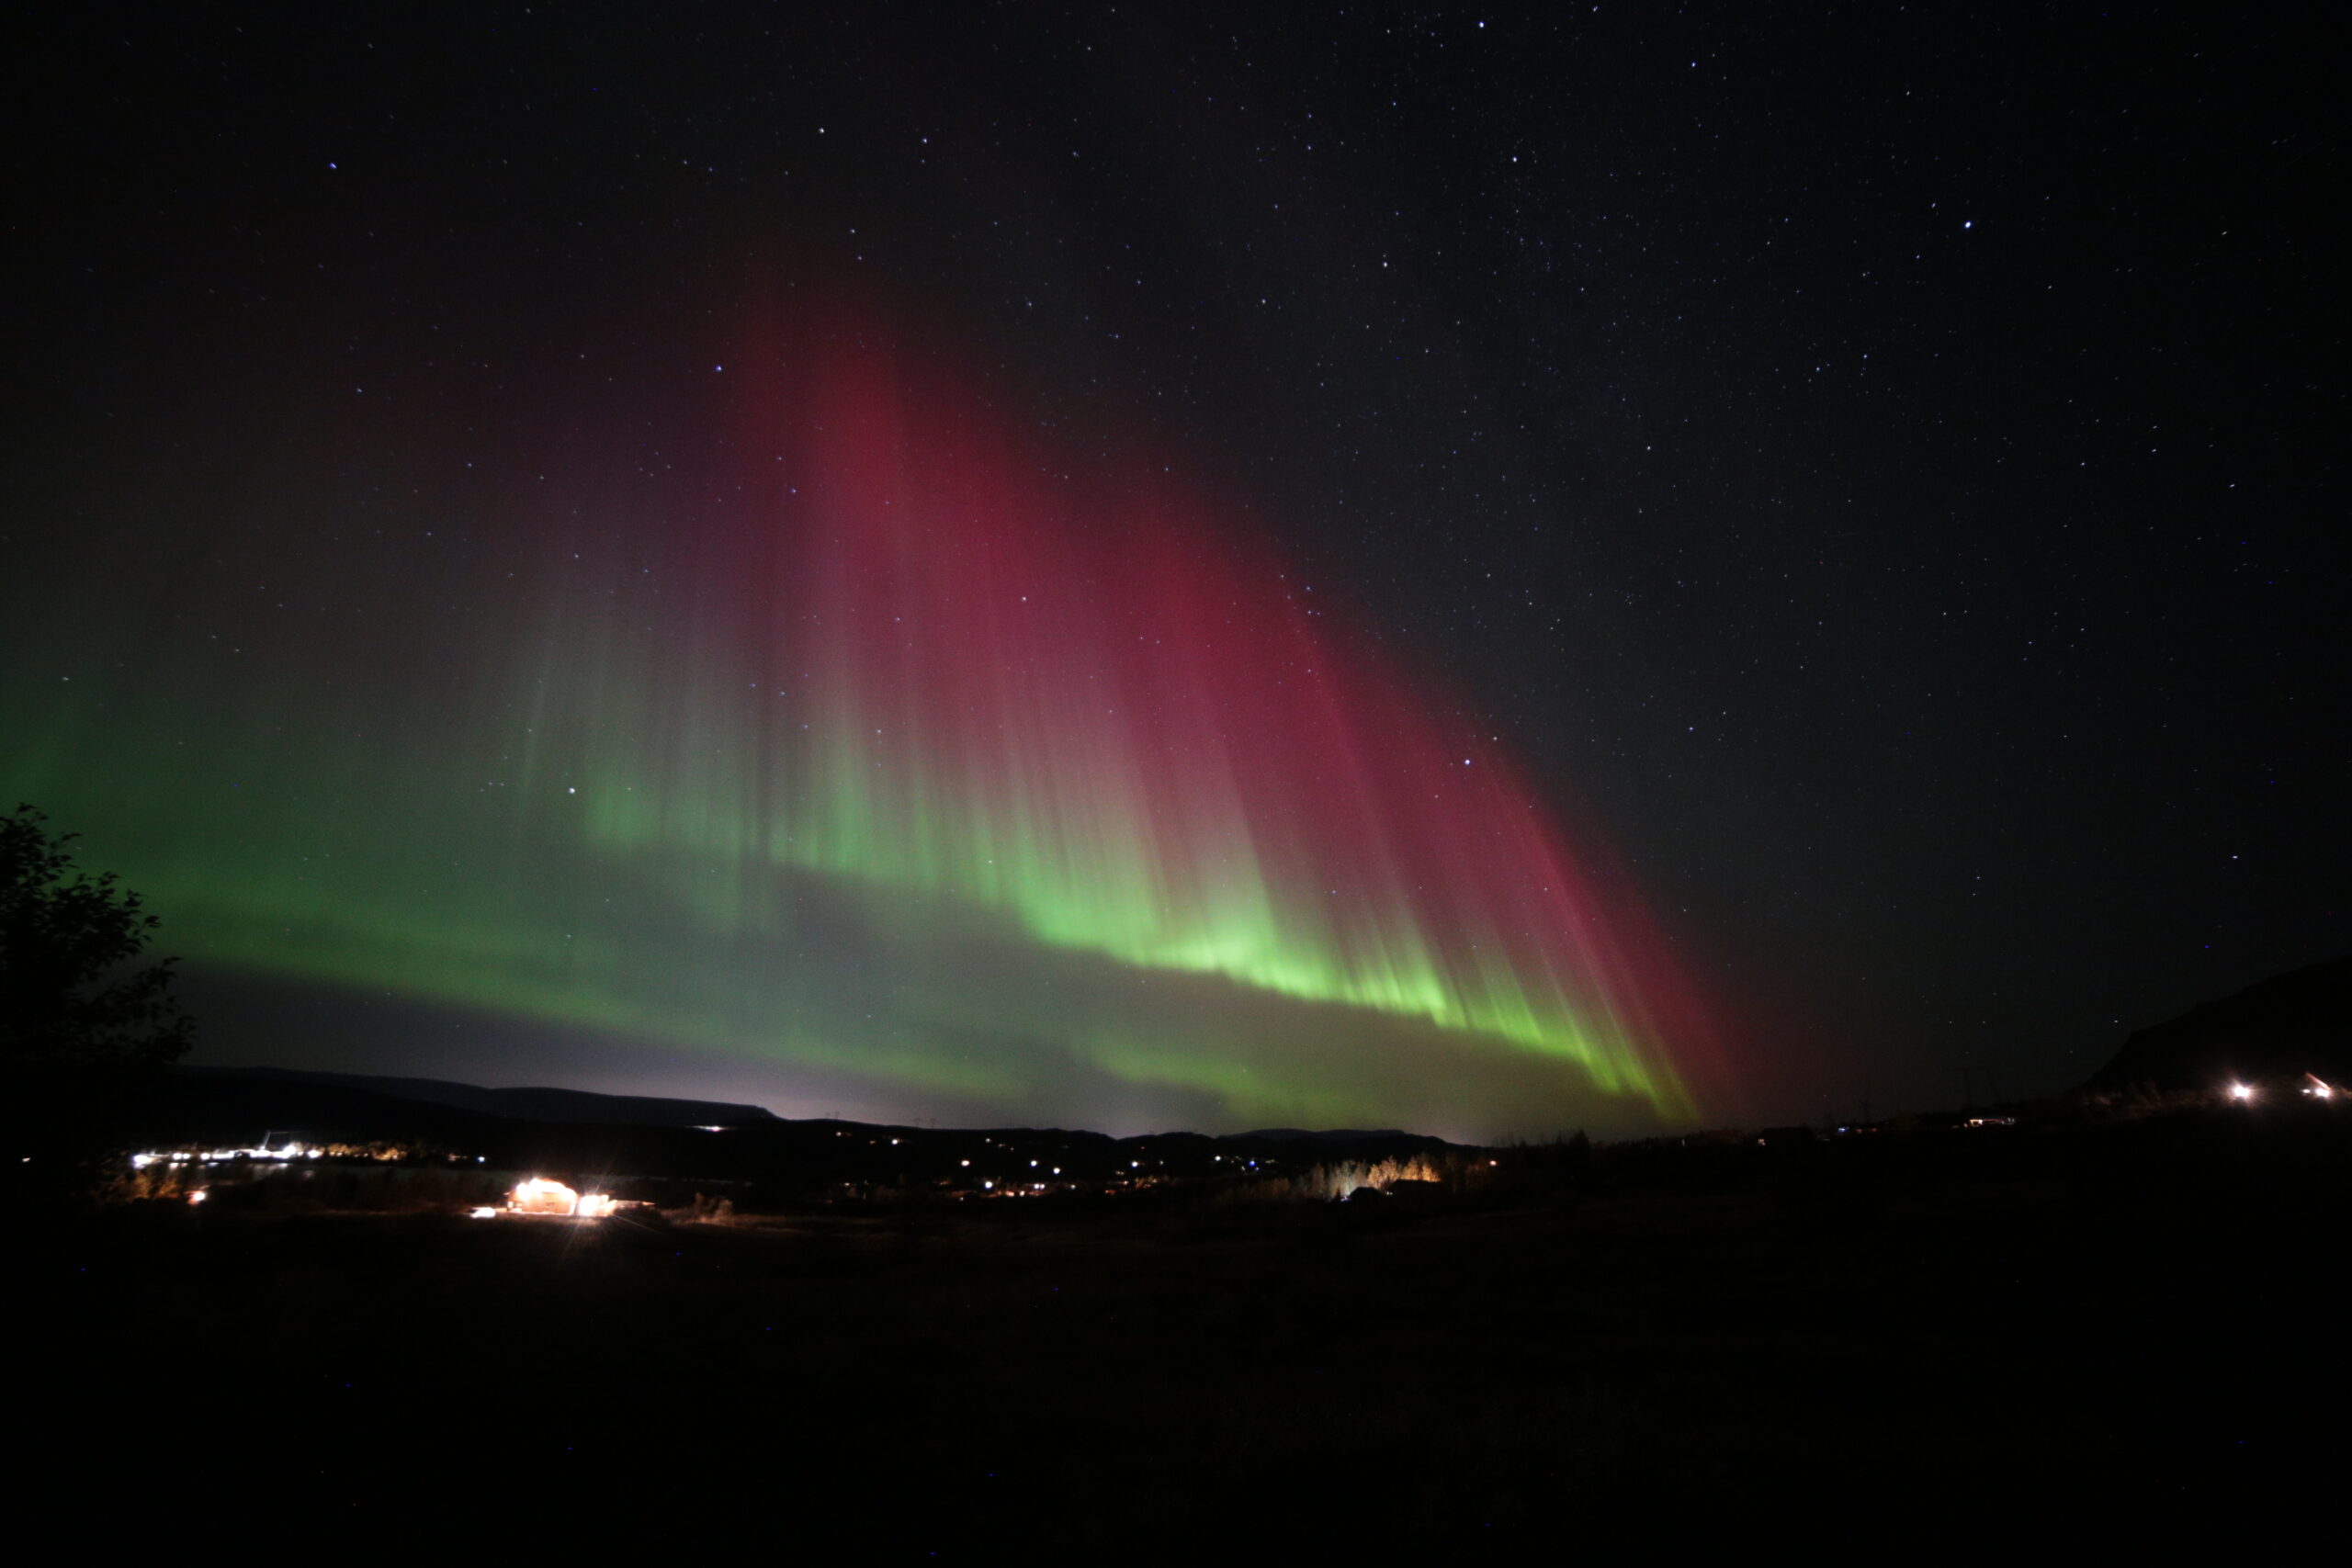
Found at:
[284, 1153]
[540, 1196]
[2314, 1087]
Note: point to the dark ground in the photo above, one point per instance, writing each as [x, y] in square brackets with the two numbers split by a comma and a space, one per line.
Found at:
[2099, 1326]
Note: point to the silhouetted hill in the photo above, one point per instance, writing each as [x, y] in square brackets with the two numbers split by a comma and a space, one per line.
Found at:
[1330, 1135]
[1337, 1140]
[2277, 1029]
[561, 1105]
[757, 1155]
[232, 1106]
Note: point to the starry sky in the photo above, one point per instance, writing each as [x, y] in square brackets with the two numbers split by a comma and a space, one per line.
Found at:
[1484, 570]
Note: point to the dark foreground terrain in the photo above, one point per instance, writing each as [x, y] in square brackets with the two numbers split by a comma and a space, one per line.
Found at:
[2114, 1325]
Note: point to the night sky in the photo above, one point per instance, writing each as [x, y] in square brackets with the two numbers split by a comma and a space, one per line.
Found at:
[1474, 570]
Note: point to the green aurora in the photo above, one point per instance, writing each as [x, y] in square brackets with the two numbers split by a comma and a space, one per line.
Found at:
[896, 771]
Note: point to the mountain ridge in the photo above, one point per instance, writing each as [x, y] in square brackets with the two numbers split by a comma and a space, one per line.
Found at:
[2281, 1027]
[580, 1107]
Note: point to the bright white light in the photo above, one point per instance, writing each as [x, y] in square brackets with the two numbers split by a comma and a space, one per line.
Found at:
[198, 1196]
[540, 1196]
[484, 1213]
[2241, 1091]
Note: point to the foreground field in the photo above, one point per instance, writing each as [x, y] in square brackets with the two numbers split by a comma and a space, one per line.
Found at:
[2096, 1334]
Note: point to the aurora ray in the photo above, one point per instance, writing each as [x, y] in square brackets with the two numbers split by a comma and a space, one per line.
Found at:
[931, 757]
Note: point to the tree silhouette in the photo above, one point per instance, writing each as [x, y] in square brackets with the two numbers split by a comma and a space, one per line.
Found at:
[66, 998]
[82, 1020]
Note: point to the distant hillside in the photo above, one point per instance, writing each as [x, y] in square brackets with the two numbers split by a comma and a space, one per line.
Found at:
[560, 1105]
[233, 1107]
[701, 1147]
[1341, 1140]
[2277, 1029]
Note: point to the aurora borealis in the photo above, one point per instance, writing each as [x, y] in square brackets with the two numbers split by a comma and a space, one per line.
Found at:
[937, 760]
[1710, 603]
[1207, 566]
